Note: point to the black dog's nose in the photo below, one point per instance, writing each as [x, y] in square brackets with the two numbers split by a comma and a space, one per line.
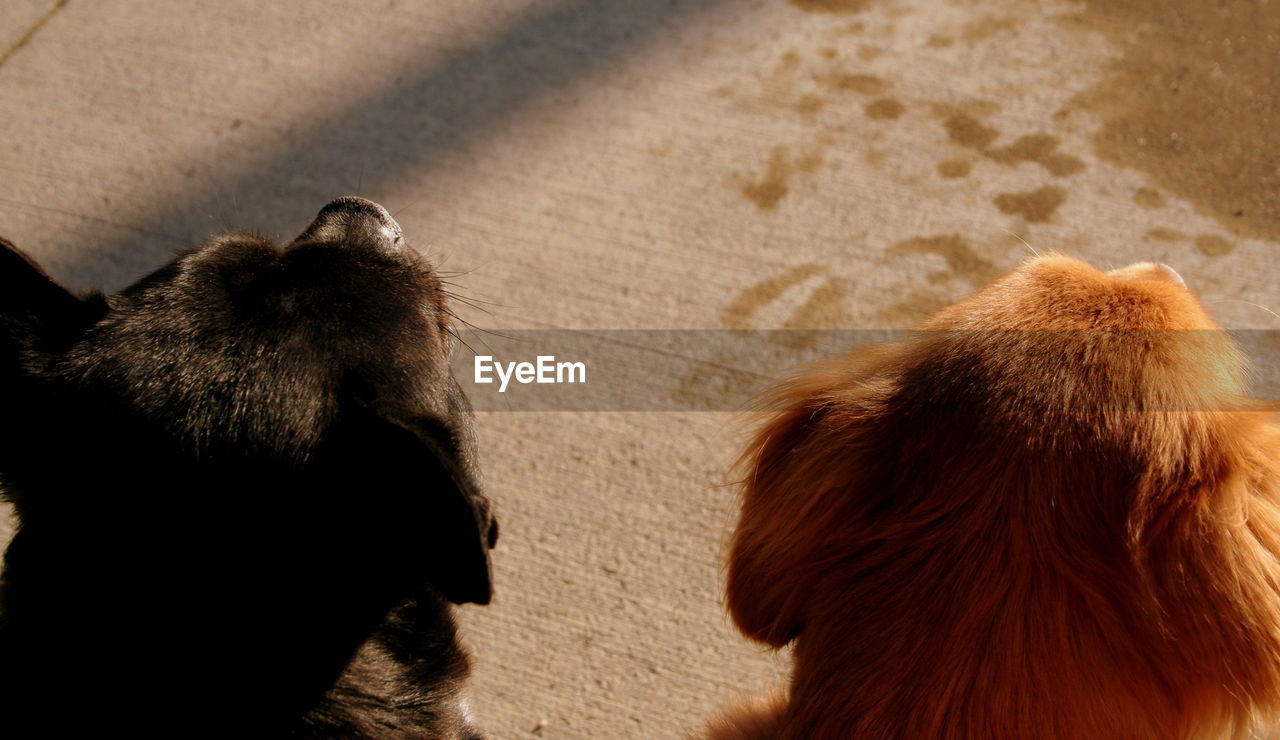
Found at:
[351, 219]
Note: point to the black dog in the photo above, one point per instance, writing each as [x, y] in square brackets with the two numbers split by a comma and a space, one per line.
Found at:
[247, 493]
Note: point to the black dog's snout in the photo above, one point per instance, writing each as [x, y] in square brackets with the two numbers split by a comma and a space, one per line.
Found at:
[354, 208]
[350, 219]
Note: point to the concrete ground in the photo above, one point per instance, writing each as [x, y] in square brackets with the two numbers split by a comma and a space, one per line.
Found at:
[658, 165]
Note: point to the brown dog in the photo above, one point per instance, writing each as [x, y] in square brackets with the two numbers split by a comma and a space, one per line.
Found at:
[1050, 514]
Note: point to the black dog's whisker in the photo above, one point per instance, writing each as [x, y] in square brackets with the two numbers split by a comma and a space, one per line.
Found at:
[412, 204]
[475, 328]
[453, 273]
[454, 333]
[222, 227]
[470, 300]
[473, 304]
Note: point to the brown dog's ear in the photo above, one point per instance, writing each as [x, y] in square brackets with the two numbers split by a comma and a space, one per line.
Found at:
[799, 496]
[764, 592]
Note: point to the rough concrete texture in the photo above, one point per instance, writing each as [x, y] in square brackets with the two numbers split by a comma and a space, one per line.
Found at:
[629, 164]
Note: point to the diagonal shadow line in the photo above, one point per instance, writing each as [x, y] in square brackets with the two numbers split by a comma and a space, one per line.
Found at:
[414, 122]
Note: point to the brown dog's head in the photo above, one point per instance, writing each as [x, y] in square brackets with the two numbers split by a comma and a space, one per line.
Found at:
[1050, 502]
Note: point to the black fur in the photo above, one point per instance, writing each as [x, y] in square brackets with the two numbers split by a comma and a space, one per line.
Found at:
[247, 494]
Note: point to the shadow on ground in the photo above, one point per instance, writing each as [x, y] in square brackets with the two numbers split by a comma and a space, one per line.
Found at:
[408, 123]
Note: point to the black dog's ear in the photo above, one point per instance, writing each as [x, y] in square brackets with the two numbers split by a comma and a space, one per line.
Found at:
[37, 314]
[462, 528]
[424, 465]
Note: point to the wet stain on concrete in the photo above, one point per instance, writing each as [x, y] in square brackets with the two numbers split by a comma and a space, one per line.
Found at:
[1148, 198]
[738, 313]
[961, 258]
[767, 190]
[843, 7]
[966, 131]
[954, 168]
[940, 42]
[1213, 246]
[717, 384]
[787, 62]
[867, 52]
[1041, 149]
[984, 28]
[1162, 234]
[915, 308]
[775, 87]
[851, 82]
[824, 309]
[884, 109]
[776, 90]
[809, 105]
[1035, 206]
[1193, 101]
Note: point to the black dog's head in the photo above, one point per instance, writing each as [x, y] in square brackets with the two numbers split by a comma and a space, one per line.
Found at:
[251, 433]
